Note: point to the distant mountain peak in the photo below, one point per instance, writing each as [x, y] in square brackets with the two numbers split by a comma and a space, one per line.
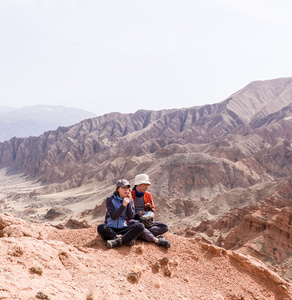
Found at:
[36, 119]
[261, 98]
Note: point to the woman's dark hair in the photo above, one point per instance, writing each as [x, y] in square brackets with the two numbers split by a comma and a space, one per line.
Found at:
[116, 192]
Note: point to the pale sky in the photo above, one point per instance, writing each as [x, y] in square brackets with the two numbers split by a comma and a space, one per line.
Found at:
[124, 55]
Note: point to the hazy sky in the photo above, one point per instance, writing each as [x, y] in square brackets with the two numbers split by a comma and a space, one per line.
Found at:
[125, 55]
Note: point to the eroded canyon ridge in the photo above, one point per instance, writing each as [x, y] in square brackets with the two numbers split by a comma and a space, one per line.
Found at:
[222, 171]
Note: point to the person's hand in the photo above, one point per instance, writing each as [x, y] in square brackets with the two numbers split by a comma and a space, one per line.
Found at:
[142, 212]
[149, 205]
[127, 198]
[126, 201]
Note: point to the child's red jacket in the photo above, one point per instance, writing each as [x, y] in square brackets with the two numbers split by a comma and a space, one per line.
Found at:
[147, 199]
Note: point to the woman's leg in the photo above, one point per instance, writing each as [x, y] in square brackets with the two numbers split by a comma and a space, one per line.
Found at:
[106, 232]
[128, 233]
[146, 235]
[131, 232]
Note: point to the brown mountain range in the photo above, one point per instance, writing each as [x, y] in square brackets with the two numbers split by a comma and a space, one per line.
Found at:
[216, 170]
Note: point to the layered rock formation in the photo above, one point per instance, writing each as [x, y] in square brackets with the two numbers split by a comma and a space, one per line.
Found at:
[91, 149]
[262, 230]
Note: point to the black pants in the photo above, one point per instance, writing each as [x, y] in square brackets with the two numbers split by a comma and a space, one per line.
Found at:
[128, 233]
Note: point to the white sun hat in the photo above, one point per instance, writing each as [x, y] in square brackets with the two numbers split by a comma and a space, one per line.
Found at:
[142, 178]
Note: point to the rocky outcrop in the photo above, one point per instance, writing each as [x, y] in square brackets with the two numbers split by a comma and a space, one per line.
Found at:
[75, 264]
[262, 230]
[57, 213]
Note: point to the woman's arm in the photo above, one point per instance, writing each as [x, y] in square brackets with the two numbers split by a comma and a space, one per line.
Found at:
[131, 209]
[112, 211]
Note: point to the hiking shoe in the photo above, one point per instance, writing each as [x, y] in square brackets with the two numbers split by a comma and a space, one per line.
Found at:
[114, 243]
[130, 243]
[163, 243]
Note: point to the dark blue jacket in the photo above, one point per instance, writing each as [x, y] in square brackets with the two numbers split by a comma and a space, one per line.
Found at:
[117, 214]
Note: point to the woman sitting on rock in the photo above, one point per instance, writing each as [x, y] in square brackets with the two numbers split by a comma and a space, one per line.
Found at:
[120, 208]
